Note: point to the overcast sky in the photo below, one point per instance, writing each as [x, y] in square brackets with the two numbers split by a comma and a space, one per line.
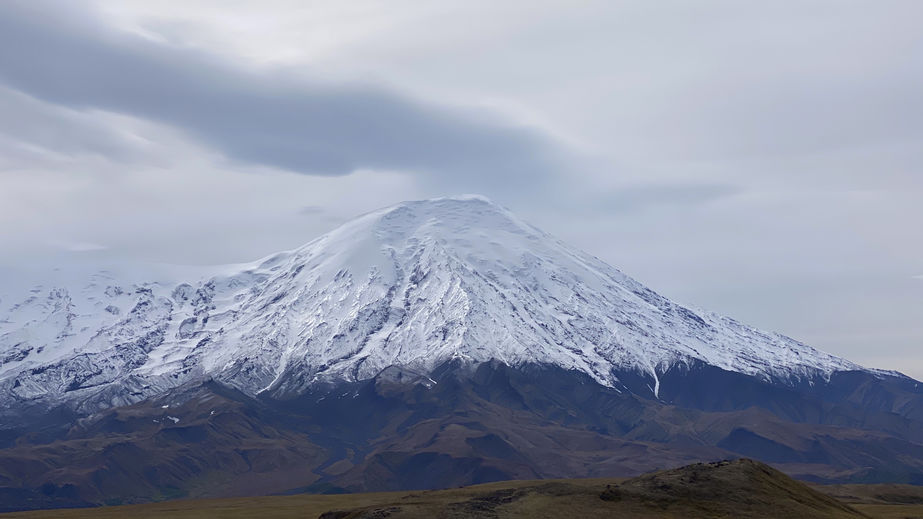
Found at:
[760, 159]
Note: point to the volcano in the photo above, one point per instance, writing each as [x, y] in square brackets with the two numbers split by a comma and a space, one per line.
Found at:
[432, 343]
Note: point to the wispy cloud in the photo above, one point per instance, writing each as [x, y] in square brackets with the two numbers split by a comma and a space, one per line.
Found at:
[78, 246]
[311, 210]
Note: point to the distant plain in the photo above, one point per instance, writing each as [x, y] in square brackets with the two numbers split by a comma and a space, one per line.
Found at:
[726, 489]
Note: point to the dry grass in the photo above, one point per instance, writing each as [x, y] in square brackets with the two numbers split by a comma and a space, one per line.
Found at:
[880, 501]
[891, 511]
[300, 506]
[510, 499]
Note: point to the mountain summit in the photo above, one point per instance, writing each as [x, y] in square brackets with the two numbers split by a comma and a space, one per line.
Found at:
[413, 286]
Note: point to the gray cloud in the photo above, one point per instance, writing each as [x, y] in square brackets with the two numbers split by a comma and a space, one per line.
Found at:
[678, 195]
[259, 118]
[311, 210]
[78, 246]
[30, 128]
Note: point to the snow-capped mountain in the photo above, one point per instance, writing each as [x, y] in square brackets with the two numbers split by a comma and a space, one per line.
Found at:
[431, 344]
[414, 286]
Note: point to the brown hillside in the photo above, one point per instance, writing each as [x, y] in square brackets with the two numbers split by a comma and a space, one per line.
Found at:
[742, 488]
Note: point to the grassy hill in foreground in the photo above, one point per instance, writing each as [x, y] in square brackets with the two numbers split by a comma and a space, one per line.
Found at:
[741, 488]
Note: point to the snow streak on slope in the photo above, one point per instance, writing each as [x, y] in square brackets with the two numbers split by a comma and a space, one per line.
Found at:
[413, 286]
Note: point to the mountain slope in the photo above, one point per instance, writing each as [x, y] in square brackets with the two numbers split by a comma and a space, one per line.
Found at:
[413, 285]
[399, 431]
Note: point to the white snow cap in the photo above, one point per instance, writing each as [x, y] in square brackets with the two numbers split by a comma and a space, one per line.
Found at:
[412, 285]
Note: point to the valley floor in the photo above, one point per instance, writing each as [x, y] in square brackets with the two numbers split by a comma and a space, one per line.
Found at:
[725, 489]
[880, 501]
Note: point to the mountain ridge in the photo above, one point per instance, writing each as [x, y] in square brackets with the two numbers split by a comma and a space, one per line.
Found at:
[412, 285]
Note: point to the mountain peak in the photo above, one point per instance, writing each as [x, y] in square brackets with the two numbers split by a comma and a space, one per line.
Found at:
[476, 210]
[466, 197]
[460, 226]
[471, 202]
